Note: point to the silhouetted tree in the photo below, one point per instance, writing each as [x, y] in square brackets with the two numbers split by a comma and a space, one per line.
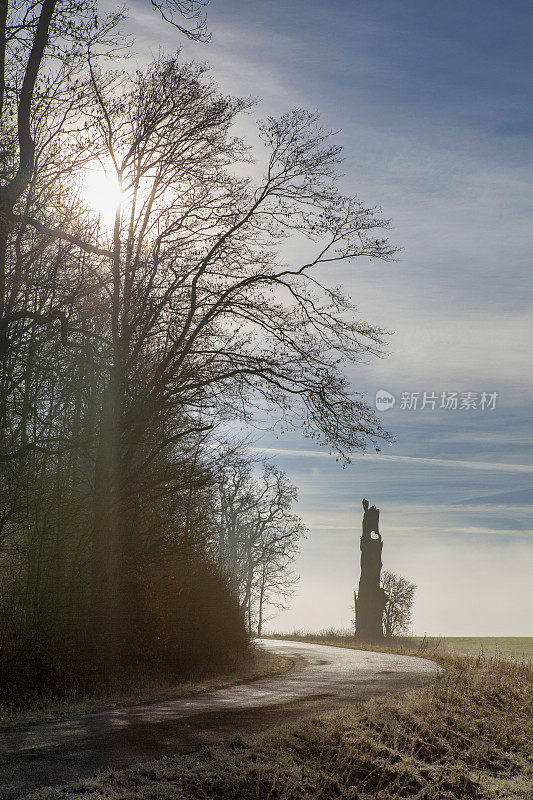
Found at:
[123, 349]
[43, 78]
[397, 613]
[259, 535]
[275, 581]
[204, 320]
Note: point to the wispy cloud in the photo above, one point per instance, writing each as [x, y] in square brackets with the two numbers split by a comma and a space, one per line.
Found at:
[492, 466]
[435, 126]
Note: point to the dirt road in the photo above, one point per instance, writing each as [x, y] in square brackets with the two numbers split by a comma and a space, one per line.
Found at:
[49, 753]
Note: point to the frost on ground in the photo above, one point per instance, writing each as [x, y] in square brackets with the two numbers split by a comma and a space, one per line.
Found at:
[467, 735]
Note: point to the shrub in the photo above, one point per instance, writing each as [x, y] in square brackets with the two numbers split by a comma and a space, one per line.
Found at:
[188, 624]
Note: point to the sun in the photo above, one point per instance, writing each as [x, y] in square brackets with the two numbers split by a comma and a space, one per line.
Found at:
[100, 191]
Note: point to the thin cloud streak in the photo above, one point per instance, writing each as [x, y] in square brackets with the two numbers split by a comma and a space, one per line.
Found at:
[438, 462]
[420, 530]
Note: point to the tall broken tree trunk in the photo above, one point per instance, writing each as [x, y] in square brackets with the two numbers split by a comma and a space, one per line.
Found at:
[371, 598]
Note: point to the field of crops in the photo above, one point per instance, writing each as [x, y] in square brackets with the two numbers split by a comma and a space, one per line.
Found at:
[506, 646]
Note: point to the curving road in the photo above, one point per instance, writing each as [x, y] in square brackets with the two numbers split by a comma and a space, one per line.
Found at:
[323, 679]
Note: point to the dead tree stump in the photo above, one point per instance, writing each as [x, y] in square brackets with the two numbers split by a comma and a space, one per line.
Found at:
[371, 598]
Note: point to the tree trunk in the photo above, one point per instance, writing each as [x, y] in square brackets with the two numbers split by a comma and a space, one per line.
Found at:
[261, 598]
[371, 598]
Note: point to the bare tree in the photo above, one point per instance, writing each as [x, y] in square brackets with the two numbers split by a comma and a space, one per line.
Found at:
[43, 74]
[258, 535]
[275, 581]
[397, 613]
[123, 349]
[205, 320]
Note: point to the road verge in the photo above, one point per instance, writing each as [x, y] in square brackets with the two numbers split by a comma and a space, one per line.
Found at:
[260, 664]
[468, 734]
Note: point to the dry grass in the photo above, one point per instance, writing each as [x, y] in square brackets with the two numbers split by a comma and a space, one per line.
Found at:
[467, 735]
[423, 647]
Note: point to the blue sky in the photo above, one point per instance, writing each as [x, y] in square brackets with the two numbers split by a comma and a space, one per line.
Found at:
[434, 108]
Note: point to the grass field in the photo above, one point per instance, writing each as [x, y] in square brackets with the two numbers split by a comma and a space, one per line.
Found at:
[507, 646]
[519, 647]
